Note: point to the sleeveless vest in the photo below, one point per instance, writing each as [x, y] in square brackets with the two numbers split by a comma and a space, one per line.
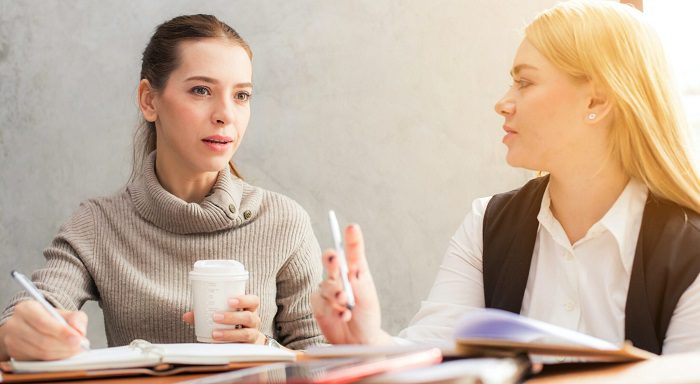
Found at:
[666, 260]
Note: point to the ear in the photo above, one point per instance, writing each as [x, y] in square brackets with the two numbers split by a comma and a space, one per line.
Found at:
[146, 96]
[599, 106]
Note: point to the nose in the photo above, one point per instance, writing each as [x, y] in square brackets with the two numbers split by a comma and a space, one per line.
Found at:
[224, 111]
[505, 106]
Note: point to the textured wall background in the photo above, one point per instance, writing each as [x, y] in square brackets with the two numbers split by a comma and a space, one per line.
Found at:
[382, 110]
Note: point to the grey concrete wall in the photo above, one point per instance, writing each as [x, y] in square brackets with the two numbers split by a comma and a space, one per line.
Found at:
[382, 110]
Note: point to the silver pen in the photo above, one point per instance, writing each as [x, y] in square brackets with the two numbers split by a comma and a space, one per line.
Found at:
[36, 294]
[342, 261]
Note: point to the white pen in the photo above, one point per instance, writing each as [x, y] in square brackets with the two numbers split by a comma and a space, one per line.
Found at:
[342, 261]
[36, 294]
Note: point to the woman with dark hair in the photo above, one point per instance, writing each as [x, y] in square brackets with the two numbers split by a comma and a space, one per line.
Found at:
[185, 202]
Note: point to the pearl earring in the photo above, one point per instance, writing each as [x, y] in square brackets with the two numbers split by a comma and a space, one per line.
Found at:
[592, 116]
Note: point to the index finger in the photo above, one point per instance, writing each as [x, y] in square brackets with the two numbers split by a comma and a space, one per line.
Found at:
[40, 320]
[355, 248]
[245, 302]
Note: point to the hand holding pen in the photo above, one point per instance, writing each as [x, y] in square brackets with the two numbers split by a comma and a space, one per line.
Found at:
[37, 331]
[345, 305]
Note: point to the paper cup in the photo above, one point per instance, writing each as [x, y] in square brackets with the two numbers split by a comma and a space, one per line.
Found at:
[214, 282]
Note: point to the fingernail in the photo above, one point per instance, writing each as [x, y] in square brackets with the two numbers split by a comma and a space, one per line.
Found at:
[218, 317]
[217, 334]
[357, 275]
[337, 294]
[330, 258]
[346, 315]
[232, 302]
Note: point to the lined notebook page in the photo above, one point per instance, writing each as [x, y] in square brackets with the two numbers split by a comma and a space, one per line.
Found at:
[222, 353]
[143, 354]
[118, 357]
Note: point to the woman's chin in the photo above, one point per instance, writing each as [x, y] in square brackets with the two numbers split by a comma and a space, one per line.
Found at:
[214, 164]
[516, 161]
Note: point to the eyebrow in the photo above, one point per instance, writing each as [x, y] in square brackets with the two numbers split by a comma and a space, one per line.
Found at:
[519, 68]
[215, 81]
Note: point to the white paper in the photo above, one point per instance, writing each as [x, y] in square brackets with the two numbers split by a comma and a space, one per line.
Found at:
[198, 353]
[118, 357]
[150, 355]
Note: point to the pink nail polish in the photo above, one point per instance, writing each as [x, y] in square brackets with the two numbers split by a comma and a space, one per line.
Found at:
[217, 317]
[217, 334]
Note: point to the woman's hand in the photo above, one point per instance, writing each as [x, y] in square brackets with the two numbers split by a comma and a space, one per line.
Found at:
[243, 313]
[32, 334]
[362, 324]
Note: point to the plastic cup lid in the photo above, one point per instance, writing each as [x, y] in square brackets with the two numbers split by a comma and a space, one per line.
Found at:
[219, 267]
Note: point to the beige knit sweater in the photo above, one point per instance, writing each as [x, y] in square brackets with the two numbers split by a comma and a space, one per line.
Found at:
[132, 252]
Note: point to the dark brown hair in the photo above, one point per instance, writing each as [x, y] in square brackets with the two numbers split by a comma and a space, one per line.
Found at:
[160, 59]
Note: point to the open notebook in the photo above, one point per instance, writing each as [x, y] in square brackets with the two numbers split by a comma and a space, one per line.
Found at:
[497, 332]
[141, 353]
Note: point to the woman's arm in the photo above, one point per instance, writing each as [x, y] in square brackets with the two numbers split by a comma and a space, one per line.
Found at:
[294, 323]
[459, 284]
[683, 333]
[458, 288]
[66, 283]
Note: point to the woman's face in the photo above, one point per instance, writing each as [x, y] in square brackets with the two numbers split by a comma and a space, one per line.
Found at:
[545, 113]
[204, 108]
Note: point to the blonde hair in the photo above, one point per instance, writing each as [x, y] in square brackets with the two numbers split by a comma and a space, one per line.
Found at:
[614, 47]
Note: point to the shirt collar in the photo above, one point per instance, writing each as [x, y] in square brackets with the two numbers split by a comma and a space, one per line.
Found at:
[219, 210]
[623, 220]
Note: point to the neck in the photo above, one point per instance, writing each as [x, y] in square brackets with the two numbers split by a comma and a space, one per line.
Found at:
[184, 183]
[581, 197]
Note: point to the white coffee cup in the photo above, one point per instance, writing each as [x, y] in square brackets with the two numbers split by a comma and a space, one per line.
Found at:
[214, 282]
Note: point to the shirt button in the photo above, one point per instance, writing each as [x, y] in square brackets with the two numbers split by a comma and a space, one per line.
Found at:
[569, 256]
[232, 208]
[247, 215]
[569, 306]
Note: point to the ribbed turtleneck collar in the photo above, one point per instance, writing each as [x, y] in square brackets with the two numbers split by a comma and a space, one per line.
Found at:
[220, 210]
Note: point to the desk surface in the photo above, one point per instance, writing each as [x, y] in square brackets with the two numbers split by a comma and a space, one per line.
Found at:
[681, 368]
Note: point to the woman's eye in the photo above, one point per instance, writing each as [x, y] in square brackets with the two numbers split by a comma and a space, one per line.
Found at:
[242, 96]
[201, 91]
[521, 83]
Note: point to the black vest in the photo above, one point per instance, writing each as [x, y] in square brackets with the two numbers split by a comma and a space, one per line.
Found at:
[666, 260]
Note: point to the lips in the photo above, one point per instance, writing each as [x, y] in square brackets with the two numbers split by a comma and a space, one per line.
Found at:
[218, 139]
[509, 129]
[510, 133]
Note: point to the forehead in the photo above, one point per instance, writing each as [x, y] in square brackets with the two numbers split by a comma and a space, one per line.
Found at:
[216, 58]
[528, 57]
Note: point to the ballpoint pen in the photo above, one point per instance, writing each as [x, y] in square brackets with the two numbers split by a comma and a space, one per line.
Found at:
[342, 261]
[36, 294]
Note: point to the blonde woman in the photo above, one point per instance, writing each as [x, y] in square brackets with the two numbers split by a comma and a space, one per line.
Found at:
[608, 242]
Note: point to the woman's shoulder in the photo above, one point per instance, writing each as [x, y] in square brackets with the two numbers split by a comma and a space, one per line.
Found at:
[93, 210]
[117, 201]
[275, 205]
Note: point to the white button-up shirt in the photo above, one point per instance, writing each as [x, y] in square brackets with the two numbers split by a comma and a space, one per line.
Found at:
[581, 286]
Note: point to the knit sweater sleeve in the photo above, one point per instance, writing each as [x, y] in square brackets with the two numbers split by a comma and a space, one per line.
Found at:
[295, 325]
[64, 279]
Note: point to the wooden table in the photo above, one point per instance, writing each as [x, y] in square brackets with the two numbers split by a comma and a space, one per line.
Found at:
[680, 368]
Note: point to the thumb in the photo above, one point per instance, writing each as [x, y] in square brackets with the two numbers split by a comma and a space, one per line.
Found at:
[188, 317]
[77, 320]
